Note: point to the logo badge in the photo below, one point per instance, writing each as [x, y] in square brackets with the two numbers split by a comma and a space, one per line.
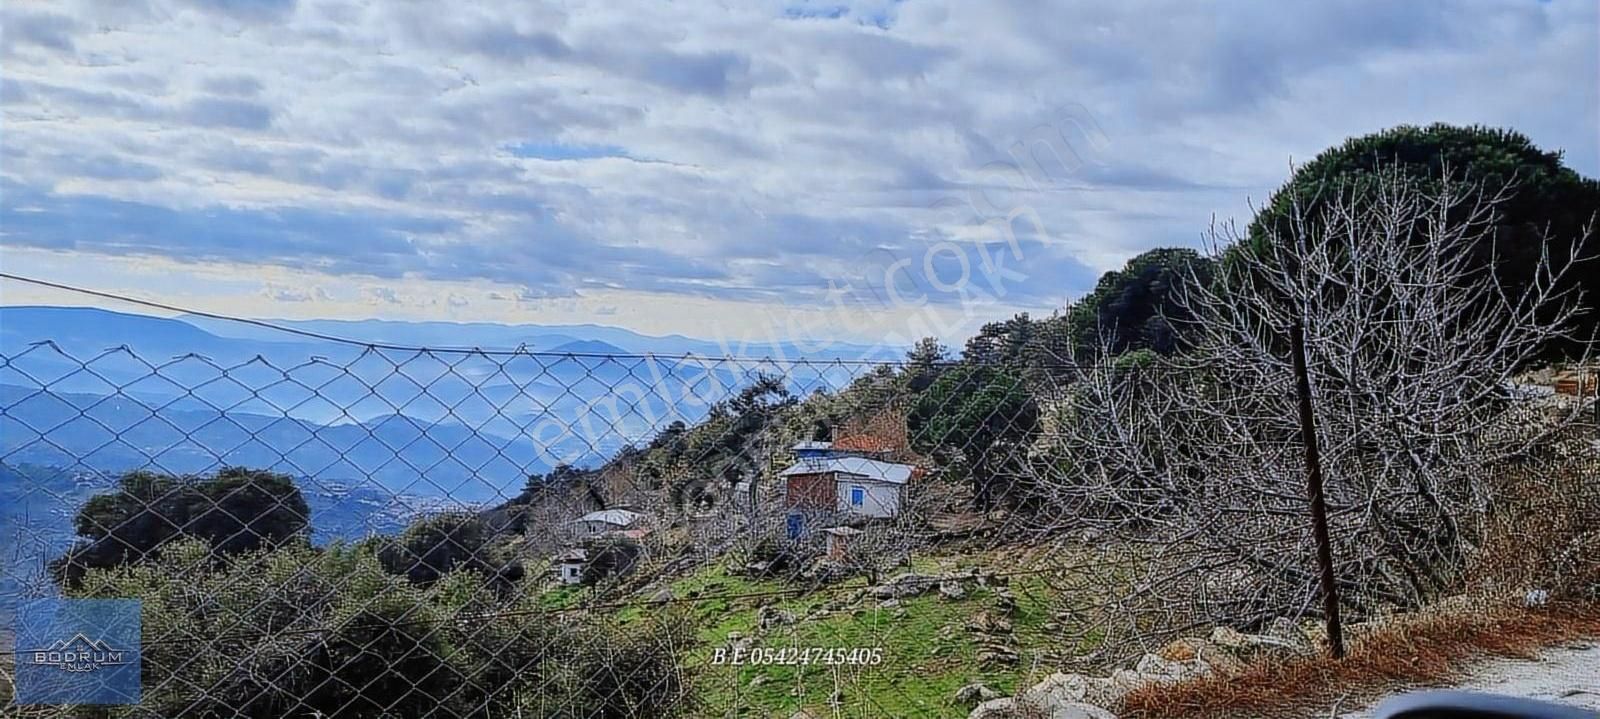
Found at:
[77, 651]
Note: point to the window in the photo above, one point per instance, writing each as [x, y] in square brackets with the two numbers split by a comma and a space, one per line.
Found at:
[858, 495]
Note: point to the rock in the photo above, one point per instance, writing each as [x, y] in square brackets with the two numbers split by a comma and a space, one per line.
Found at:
[1000, 655]
[1063, 710]
[802, 714]
[960, 575]
[1060, 688]
[989, 623]
[1536, 598]
[1102, 691]
[1154, 665]
[769, 616]
[663, 596]
[1218, 660]
[1229, 637]
[889, 604]
[1002, 708]
[951, 590]
[1184, 649]
[1005, 601]
[757, 680]
[1128, 680]
[993, 580]
[975, 693]
[1248, 645]
[1081, 711]
[905, 585]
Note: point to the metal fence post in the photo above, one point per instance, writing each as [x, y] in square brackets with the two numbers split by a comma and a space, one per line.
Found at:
[1319, 506]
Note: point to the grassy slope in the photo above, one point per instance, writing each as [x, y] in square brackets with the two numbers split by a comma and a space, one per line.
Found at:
[928, 653]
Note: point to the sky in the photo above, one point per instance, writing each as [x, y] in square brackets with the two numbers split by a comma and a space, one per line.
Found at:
[871, 171]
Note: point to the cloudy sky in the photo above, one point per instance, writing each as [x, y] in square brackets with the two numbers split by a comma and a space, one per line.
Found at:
[873, 170]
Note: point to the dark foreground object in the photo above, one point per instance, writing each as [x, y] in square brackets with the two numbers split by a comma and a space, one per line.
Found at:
[1469, 705]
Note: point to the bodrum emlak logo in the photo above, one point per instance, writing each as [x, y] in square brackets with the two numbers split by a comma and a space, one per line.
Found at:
[79, 653]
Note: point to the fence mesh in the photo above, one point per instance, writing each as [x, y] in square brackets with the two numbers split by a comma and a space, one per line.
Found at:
[358, 531]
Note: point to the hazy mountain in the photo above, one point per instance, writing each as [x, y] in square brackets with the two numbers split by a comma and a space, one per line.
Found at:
[394, 453]
[541, 338]
[111, 391]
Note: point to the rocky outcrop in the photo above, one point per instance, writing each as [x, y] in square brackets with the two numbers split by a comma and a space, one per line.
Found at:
[904, 585]
[1075, 696]
[770, 616]
[975, 693]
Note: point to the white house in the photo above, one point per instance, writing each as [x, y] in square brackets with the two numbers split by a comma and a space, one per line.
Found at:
[823, 480]
[603, 521]
[569, 565]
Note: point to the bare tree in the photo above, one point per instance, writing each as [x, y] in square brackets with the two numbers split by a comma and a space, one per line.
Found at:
[1196, 462]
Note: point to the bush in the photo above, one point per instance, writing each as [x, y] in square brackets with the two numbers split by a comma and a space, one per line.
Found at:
[300, 631]
[439, 544]
[236, 510]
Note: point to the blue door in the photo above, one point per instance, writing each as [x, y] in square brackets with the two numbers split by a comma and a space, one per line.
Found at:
[797, 525]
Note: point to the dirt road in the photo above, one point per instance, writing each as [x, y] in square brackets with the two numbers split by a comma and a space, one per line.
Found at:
[1570, 675]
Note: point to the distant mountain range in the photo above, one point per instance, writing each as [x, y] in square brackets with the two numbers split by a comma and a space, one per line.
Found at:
[84, 388]
[577, 339]
[396, 452]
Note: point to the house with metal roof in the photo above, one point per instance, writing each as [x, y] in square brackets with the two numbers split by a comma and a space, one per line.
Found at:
[825, 480]
[605, 520]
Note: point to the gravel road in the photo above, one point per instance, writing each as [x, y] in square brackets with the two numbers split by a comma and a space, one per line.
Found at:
[1569, 675]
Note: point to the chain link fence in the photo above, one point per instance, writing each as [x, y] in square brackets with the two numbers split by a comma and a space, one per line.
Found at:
[370, 531]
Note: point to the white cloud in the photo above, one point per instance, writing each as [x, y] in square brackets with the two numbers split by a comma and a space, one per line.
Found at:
[715, 157]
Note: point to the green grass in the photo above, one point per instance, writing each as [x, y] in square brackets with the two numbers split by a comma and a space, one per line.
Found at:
[927, 651]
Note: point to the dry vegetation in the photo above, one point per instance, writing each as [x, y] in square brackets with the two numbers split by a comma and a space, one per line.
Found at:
[1421, 649]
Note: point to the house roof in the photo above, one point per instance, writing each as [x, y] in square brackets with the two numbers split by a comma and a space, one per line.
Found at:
[573, 555]
[843, 531]
[811, 446]
[618, 517]
[868, 469]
